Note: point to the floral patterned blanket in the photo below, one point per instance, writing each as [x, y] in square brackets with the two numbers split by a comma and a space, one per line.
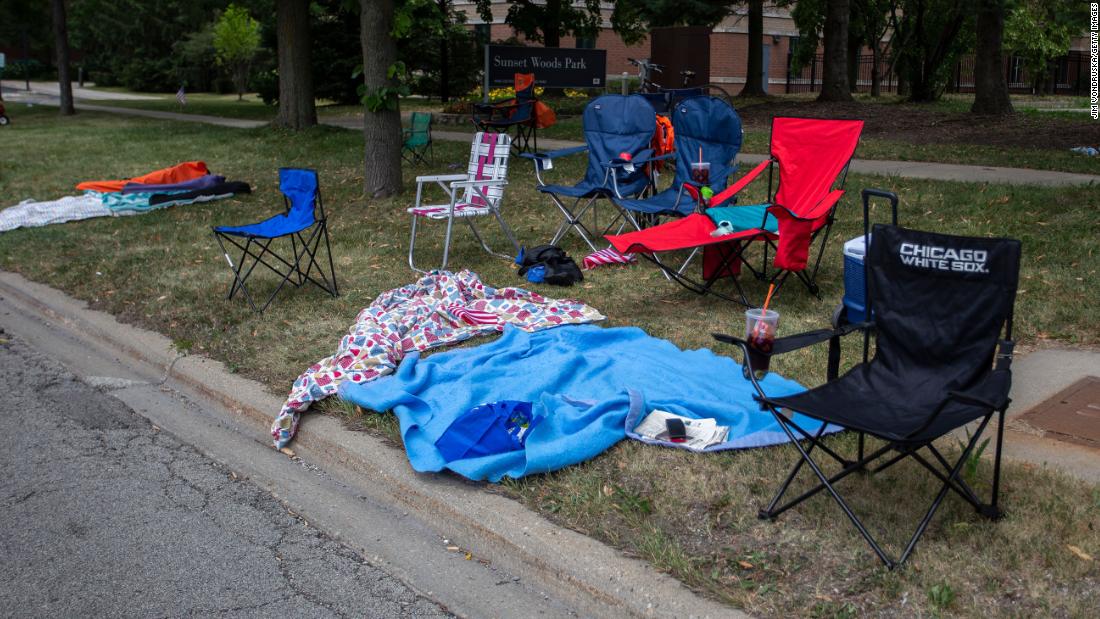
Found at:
[441, 308]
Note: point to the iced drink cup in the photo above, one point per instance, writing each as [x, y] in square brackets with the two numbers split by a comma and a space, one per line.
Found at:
[760, 325]
[700, 173]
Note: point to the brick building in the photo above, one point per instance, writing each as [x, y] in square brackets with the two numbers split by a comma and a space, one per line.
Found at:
[728, 42]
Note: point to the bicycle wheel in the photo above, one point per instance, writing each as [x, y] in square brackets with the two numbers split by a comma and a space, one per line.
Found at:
[716, 90]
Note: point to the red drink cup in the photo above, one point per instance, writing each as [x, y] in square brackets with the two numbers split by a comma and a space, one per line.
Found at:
[760, 326]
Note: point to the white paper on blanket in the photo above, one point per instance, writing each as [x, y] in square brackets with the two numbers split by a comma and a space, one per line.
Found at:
[701, 433]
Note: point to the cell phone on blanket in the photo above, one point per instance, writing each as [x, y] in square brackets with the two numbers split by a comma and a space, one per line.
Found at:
[677, 431]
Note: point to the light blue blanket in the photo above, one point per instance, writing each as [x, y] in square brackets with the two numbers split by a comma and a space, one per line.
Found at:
[588, 381]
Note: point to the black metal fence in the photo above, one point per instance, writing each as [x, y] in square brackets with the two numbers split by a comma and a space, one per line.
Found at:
[1068, 76]
[808, 79]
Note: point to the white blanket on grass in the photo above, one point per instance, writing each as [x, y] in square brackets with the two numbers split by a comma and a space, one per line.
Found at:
[30, 214]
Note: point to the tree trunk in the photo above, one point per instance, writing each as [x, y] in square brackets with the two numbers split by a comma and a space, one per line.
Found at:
[381, 129]
[444, 54]
[61, 45]
[990, 87]
[296, 106]
[551, 28]
[854, 48]
[876, 79]
[754, 72]
[834, 82]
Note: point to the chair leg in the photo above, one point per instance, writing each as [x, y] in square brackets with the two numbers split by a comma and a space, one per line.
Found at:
[447, 240]
[573, 220]
[993, 511]
[951, 482]
[827, 485]
[412, 246]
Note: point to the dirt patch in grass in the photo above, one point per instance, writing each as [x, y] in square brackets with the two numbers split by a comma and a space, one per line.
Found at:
[929, 124]
[693, 516]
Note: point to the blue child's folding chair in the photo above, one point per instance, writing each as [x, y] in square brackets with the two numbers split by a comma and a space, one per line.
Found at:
[304, 223]
[613, 125]
[706, 129]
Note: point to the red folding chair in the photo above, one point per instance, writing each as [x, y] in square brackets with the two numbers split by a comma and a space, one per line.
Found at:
[812, 156]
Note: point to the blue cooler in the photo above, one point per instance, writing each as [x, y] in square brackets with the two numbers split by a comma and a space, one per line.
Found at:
[854, 301]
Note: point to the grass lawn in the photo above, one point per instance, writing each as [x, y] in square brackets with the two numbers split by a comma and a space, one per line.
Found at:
[693, 516]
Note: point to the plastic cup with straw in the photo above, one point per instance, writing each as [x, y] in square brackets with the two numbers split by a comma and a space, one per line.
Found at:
[760, 327]
[700, 170]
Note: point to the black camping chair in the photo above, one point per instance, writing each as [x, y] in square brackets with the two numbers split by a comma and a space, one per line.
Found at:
[937, 305]
[304, 223]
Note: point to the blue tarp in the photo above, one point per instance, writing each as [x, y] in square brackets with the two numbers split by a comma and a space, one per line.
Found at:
[586, 380]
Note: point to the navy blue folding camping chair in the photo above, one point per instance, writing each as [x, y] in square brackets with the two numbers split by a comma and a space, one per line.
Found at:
[613, 125]
[304, 223]
[706, 129]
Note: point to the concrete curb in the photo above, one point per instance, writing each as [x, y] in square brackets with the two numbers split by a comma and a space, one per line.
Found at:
[587, 575]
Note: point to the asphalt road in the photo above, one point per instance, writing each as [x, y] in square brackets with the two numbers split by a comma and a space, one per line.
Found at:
[103, 514]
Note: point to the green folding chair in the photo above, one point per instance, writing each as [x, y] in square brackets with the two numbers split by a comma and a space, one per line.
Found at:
[418, 139]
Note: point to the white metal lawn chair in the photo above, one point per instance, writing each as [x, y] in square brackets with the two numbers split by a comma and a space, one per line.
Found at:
[482, 188]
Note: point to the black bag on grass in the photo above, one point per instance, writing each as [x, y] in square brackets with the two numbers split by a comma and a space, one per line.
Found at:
[549, 264]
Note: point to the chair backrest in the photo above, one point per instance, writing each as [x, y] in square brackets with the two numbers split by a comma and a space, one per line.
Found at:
[524, 87]
[812, 153]
[706, 125]
[420, 128]
[939, 304]
[302, 194]
[615, 124]
[489, 154]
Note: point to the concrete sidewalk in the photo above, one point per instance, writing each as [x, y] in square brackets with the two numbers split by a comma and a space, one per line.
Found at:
[901, 169]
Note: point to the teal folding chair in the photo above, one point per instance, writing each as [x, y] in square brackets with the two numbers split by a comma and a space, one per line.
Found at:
[417, 139]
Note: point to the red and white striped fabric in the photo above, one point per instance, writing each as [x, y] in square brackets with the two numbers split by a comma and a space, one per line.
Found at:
[606, 256]
[473, 316]
[442, 211]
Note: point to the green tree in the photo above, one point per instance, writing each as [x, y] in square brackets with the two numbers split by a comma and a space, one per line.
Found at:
[929, 36]
[1040, 31]
[547, 21]
[236, 41]
[632, 20]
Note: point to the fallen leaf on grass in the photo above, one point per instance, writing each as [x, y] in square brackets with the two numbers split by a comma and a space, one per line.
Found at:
[745, 565]
[1081, 554]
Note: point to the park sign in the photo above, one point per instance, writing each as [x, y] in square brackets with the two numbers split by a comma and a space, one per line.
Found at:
[554, 67]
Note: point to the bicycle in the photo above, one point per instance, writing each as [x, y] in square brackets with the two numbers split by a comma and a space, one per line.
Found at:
[647, 86]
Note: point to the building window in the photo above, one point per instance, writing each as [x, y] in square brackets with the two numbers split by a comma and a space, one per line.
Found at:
[482, 32]
[586, 42]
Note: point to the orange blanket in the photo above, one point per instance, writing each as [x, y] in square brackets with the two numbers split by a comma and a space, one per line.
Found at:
[175, 174]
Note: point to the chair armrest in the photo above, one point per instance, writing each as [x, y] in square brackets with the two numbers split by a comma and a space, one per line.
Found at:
[731, 191]
[789, 343]
[639, 160]
[554, 154]
[644, 156]
[441, 178]
[816, 211]
[479, 183]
